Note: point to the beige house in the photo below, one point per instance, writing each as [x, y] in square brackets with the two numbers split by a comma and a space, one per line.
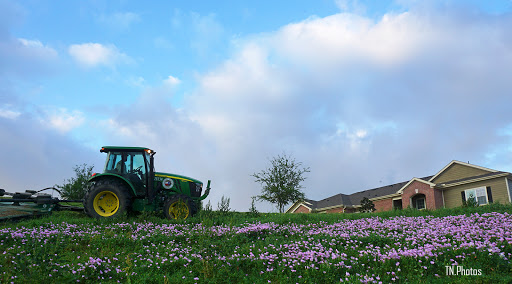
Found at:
[450, 187]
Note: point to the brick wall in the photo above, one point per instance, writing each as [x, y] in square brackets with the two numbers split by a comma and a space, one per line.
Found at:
[335, 210]
[301, 209]
[433, 198]
[383, 205]
[350, 210]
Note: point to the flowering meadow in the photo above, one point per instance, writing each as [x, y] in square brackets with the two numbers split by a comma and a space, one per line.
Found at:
[271, 248]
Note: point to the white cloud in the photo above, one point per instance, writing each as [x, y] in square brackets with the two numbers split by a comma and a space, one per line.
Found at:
[61, 119]
[7, 112]
[171, 81]
[25, 57]
[348, 38]
[38, 49]
[95, 54]
[130, 131]
[152, 121]
[31, 43]
[361, 133]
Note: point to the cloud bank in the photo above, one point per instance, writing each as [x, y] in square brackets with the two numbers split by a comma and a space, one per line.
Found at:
[363, 102]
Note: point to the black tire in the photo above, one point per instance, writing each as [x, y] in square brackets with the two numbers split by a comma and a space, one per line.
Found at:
[107, 199]
[179, 207]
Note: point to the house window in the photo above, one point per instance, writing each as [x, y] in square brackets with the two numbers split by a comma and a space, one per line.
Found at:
[480, 195]
[397, 204]
[420, 203]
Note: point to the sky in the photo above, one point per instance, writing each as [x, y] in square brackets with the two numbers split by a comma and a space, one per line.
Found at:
[364, 93]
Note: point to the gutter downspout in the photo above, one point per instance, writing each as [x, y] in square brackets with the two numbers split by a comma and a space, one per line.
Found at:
[442, 193]
[508, 190]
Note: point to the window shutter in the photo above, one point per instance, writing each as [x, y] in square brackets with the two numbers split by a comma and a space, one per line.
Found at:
[463, 194]
[489, 194]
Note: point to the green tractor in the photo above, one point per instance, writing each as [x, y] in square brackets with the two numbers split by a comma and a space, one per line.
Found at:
[130, 184]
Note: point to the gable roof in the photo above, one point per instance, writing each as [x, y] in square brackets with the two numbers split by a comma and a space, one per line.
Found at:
[335, 200]
[423, 180]
[353, 199]
[378, 192]
[356, 198]
[460, 163]
[310, 204]
[472, 179]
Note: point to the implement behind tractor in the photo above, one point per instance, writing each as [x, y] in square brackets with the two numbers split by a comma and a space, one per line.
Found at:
[30, 203]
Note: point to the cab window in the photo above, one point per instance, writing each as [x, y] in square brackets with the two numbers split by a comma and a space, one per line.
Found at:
[114, 163]
[135, 163]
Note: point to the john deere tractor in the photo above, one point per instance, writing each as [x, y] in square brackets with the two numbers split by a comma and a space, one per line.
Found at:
[129, 183]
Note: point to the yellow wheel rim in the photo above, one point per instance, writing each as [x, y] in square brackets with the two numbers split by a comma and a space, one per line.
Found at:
[178, 210]
[106, 203]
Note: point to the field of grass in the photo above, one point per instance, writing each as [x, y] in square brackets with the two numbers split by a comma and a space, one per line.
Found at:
[213, 247]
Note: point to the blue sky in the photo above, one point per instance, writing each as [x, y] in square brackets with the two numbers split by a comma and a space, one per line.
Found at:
[365, 93]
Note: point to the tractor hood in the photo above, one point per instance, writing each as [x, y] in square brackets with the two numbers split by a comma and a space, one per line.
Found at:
[175, 176]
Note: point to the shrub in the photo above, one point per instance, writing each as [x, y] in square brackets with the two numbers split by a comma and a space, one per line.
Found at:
[76, 187]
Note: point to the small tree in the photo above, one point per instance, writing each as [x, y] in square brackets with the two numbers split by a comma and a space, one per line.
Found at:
[252, 209]
[206, 210]
[76, 187]
[282, 181]
[470, 201]
[208, 207]
[223, 206]
[367, 205]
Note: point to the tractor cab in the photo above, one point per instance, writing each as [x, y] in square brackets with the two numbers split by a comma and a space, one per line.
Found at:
[133, 165]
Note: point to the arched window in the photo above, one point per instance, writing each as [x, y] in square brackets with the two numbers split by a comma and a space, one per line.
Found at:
[419, 201]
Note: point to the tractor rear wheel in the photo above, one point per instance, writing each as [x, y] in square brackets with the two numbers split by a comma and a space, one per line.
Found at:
[179, 207]
[107, 199]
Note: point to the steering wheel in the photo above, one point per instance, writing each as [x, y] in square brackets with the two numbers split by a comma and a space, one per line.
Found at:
[138, 171]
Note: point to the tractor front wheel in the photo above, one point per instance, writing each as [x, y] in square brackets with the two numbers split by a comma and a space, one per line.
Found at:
[107, 199]
[179, 207]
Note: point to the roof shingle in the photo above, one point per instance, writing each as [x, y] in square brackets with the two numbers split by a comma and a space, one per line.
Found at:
[355, 198]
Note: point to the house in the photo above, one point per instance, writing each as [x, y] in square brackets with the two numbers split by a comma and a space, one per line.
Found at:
[450, 187]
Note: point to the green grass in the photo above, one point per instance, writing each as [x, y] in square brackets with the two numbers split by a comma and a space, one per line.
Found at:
[217, 247]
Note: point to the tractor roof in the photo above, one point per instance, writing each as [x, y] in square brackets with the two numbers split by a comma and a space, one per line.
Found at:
[123, 148]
